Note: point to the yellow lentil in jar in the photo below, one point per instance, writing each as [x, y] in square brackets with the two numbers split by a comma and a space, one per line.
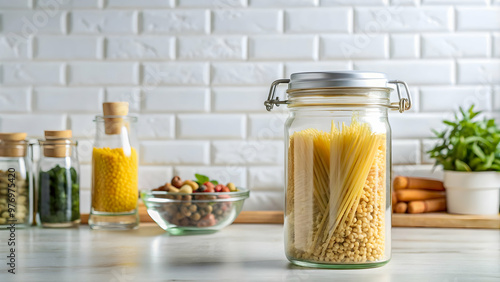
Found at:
[114, 180]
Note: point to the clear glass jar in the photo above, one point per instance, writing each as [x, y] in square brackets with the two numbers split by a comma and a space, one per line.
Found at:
[338, 169]
[115, 189]
[16, 185]
[58, 181]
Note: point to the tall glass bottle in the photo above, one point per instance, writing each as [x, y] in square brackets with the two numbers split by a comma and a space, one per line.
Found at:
[58, 181]
[115, 170]
[16, 205]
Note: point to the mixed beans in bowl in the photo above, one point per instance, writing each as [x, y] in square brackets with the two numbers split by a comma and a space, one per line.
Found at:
[194, 206]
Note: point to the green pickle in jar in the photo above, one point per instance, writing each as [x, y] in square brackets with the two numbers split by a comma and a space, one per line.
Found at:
[58, 198]
[58, 181]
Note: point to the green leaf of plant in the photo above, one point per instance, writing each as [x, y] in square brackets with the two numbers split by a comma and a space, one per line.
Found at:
[214, 182]
[495, 167]
[447, 122]
[491, 123]
[464, 115]
[473, 114]
[461, 166]
[489, 160]
[471, 139]
[481, 167]
[475, 163]
[447, 166]
[468, 143]
[478, 151]
[201, 178]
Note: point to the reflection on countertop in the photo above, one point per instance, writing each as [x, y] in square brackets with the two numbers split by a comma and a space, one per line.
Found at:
[240, 252]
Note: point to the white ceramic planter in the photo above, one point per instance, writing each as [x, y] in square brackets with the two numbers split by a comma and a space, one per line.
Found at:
[472, 192]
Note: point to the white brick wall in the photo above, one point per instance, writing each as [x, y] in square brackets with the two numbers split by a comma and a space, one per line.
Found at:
[270, 47]
[29, 22]
[247, 21]
[486, 71]
[252, 152]
[175, 99]
[413, 71]
[211, 47]
[154, 74]
[478, 18]
[96, 22]
[405, 46]
[299, 20]
[33, 73]
[102, 73]
[354, 46]
[11, 49]
[175, 152]
[455, 45]
[197, 72]
[244, 73]
[15, 99]
[144, 47]
[404, 19]
[76, 47]
[156, 126]
[216, 126]
[230, 99]
[178, 21]
[50, 99]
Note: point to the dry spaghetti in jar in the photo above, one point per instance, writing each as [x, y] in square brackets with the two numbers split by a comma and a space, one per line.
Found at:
[337, 174]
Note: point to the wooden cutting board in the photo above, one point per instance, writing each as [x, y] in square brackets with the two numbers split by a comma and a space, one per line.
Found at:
[439, 220]
[446, 220]
[265, 217]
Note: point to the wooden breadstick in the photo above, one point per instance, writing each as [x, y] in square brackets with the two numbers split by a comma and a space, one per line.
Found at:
[407, 195]
[403, 182]
[401, 207]
[427, 205]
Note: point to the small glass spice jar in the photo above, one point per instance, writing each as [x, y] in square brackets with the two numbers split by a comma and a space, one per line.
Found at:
[58, 181]
[16, 185]
[338, 167]
[115, 189]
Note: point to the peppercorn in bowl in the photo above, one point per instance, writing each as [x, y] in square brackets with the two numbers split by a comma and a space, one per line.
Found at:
[194, 206]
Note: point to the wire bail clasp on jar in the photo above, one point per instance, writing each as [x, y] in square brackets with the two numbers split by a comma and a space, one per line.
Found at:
[271, 101]
[404, 103]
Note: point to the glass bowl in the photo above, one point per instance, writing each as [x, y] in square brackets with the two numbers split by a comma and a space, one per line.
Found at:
[181, 213]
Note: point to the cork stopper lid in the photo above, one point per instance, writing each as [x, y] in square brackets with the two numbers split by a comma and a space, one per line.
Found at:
[113, 125]
[13, 144]
[15, 136]
[58, 144]
[57, 134]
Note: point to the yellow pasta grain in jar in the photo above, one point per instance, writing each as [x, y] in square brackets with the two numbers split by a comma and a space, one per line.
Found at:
[328, 221]
[337, 166]
[115, 180]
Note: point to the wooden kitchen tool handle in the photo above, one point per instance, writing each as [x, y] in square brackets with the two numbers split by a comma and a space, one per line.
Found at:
[431, 205]
[400, 207]
[404, 182]
[407, 195]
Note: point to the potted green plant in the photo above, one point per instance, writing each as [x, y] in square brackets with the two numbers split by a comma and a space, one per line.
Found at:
[469, 152]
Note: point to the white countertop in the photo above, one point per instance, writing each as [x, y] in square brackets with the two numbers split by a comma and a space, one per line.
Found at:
[240, 252]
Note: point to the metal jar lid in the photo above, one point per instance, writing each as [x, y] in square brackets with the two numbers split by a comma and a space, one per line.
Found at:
[305, 80]
[339, 79]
